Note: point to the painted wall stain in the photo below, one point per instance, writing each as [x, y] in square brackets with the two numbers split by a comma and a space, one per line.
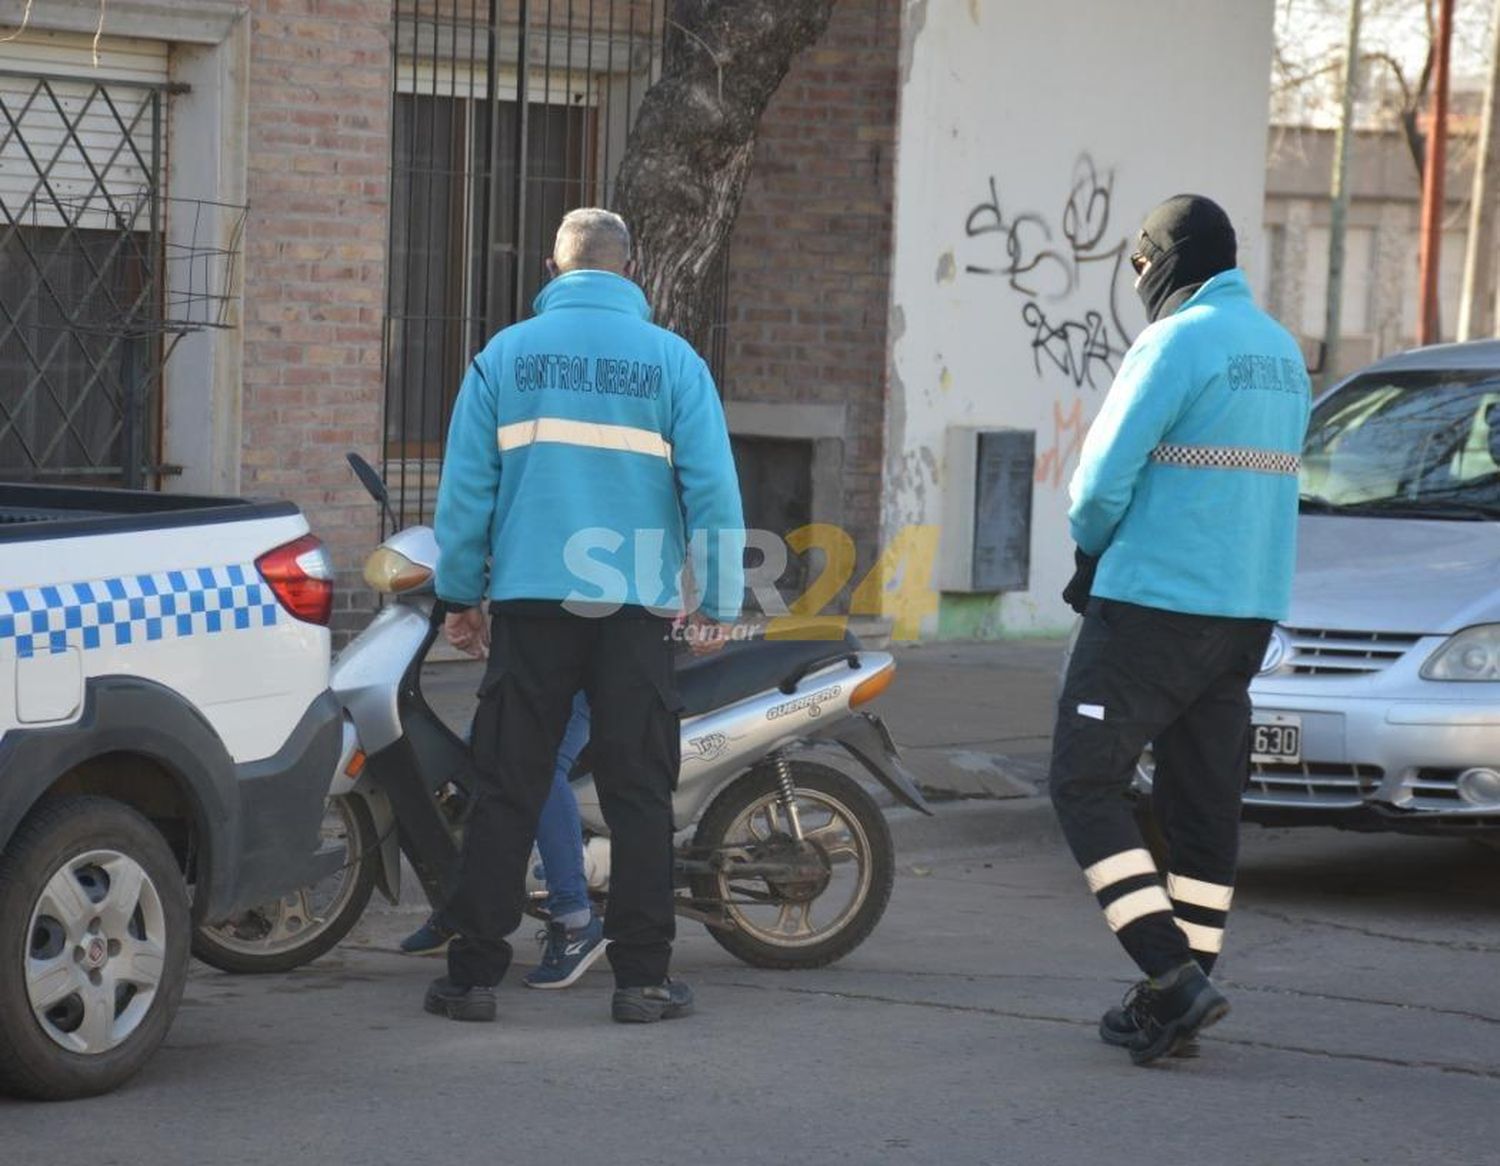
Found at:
[1068, 431]
[916, 20]
[897, 508]
[947, 268]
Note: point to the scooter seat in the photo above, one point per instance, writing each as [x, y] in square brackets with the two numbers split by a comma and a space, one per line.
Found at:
[743, 668]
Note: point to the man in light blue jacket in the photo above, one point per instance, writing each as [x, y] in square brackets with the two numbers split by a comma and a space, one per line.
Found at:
[587, 454]
[1185, 516]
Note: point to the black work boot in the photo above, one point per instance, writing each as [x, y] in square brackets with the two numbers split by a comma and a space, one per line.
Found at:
[445, 998]
[665, 1001]
[1117, 1028]
[1169, 1011]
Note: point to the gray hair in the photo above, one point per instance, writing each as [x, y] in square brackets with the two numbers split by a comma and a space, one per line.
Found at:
[592, 238]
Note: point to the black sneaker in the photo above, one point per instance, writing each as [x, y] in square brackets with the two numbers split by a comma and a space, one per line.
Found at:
[1118, 1029]
[445, 998]
[665, 1001]
[1171, 1011]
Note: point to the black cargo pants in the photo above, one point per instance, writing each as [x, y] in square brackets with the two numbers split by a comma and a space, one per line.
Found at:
[537, 663]
[1140, 676]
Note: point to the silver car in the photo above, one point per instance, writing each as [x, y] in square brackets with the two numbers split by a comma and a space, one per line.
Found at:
[1378, 706]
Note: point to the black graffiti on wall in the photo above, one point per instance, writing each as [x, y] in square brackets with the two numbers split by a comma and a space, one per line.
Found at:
[1067, 271]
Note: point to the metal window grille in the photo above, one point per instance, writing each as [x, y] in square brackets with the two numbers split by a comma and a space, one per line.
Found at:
[81, 260]
[99, 269]
[507, 114]
[93, 289]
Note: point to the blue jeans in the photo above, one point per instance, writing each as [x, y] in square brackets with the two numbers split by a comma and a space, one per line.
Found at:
[559, 831]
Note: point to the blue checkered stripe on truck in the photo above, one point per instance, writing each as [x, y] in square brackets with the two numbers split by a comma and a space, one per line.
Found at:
[136, 609]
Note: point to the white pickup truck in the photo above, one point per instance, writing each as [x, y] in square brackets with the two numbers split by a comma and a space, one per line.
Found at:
[166, 742]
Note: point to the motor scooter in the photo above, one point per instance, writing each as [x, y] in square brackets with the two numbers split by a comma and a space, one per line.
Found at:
[786, 859]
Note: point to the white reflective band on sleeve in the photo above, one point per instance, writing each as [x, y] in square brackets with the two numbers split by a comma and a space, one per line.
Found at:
[1128, 908]
[1199, 893]
[1209, 940]
[590, 434]
[1118, 867]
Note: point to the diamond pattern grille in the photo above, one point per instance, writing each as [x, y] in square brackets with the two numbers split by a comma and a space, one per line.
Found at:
[81, 262]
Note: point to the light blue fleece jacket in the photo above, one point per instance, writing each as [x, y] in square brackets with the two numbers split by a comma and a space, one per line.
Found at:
[587, 447]
[1217, 381]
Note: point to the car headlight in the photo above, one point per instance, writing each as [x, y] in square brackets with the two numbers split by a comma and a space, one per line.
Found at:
[1277, 648]
[1472, 654]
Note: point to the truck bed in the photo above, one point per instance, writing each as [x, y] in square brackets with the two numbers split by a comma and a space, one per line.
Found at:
[30, 512]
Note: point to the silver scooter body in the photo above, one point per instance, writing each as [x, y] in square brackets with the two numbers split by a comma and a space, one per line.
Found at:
[720, 745]
[717, 746]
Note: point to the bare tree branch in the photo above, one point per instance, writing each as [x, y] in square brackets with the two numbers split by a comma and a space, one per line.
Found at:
[1298, 80]
[1396, 71]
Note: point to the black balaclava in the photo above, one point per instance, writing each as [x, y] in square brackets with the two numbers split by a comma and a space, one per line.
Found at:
[1189, 240]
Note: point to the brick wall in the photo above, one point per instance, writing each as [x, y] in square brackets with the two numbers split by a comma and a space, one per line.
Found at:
[809, 283]
[315, 248]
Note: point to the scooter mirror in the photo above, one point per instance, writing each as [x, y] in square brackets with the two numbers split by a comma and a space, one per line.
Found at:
[368, 478]
[374, 485]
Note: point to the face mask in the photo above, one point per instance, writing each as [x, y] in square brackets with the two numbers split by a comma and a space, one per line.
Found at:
[1188, 240]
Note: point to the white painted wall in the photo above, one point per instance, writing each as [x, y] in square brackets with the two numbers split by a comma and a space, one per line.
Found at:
[1083, 114]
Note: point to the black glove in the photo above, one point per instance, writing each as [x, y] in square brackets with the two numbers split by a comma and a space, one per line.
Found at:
[1076, 593]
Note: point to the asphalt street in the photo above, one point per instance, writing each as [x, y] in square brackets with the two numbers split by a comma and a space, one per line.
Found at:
[1366, 1029]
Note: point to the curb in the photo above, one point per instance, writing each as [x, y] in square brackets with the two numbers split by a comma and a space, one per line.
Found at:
[974, 825]
[967, 773]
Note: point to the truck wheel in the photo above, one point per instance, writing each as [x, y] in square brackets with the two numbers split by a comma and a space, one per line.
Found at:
[94, 927]
[300, 926]
[799, 924]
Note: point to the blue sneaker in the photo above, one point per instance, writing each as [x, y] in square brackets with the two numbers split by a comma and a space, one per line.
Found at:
[429, 939]
[568, 954]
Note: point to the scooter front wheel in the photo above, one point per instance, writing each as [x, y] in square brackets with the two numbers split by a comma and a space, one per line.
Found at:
[299, 927]
[828, 910]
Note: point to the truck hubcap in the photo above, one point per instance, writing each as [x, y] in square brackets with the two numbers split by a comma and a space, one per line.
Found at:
[95, 951]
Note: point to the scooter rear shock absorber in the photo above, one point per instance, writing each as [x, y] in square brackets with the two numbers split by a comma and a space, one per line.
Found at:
[786, 794]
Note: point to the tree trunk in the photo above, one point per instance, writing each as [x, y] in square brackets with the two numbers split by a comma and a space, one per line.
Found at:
[1429, 324]
[1333, 313]
[1476, 312]
[685, 165]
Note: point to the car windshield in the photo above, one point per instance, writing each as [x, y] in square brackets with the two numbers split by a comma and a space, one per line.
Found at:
[1414, 444]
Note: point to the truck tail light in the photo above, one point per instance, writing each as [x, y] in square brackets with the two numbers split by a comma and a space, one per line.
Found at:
[301, 575]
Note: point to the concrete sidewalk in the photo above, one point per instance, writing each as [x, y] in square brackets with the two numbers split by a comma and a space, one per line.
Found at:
[975, 720]
[972, 720]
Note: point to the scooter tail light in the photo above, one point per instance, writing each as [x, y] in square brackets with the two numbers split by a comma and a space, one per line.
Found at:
[300, 575]
[867, 690]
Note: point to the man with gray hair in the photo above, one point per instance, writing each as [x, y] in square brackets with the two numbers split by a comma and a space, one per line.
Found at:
[587, 449]
[591, 239]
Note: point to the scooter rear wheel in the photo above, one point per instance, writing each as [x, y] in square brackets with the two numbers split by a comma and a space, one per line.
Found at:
[301, 926]
[807, 924]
